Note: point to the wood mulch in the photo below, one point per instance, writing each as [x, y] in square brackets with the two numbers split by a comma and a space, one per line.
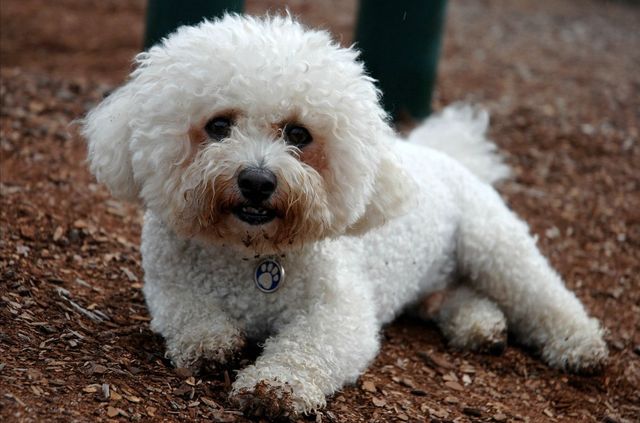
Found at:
[562, 83]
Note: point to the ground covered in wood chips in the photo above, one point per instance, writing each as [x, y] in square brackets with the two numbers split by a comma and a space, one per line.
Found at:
[562, 83]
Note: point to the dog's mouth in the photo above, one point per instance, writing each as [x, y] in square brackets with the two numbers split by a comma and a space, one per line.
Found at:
[254, 214]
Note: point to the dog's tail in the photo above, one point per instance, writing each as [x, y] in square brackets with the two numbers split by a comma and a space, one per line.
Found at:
[459, 131]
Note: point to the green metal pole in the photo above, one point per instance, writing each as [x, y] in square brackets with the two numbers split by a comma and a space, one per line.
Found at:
[164, 16]
[400, 43]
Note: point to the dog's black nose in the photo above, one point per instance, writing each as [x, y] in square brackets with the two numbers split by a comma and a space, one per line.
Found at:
[257, 184]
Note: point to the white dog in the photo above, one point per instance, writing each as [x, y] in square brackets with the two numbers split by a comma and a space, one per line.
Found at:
[256, 147]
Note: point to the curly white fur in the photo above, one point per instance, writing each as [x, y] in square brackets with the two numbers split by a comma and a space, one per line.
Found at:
[422, 216]
[459, 132]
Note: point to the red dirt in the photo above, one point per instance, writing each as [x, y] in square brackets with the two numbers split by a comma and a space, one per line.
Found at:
[561, 80]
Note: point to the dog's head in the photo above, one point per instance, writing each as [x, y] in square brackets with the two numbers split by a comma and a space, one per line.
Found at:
[255, 133]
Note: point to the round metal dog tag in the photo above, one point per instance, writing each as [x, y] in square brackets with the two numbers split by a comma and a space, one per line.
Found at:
[269, 275]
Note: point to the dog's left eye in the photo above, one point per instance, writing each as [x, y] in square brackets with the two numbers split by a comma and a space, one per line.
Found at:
[218, 128]
[298, 136]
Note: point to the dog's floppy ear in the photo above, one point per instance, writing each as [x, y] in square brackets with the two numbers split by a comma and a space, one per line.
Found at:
[107, 131]
[391, 197]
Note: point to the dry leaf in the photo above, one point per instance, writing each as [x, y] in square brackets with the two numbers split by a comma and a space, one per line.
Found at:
[133, 398]
[211, 403]
[91, 389]
[450, 377]
[369, 386]
[57, 234]
[454, 385]
[499, 417]
[98, 369]
[451, 400]
[408, 383]
[435, 361]
[379, 402]
[112, 411]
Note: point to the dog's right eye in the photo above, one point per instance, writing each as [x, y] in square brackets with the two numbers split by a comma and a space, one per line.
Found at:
[218, 128]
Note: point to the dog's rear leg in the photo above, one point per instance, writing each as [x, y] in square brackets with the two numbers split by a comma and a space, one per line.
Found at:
[502, 261]
[468, 319]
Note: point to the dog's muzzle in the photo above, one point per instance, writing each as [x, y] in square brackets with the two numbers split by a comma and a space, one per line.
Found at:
[256, 185]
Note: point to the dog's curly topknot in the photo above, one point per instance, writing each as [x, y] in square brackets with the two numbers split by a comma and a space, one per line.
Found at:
[262, 75]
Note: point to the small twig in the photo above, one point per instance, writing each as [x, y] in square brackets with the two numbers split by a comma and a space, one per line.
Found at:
[121, 331]
[16, 399]
[78, 335]
[86, 284]
[64, 294]
[101, 314]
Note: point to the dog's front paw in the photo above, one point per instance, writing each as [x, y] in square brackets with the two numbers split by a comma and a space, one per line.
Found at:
[265, 399]
[276, 392]
[204, 350]
[584, 351]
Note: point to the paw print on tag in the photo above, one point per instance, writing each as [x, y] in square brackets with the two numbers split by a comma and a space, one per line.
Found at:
[268, 275]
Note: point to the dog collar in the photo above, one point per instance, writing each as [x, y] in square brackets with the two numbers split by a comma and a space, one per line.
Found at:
[268, 275]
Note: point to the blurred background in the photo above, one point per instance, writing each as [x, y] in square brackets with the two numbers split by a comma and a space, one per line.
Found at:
[561, 82]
